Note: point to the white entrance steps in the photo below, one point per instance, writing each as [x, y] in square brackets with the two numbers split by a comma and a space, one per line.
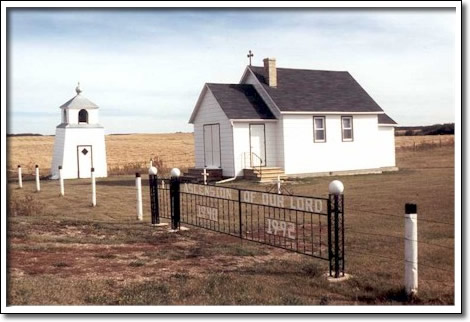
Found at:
[264, 174]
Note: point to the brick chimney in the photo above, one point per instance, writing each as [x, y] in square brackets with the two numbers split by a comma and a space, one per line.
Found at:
[270, 71]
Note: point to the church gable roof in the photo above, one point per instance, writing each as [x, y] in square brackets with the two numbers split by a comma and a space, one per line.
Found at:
[240, 101]
[302, 90]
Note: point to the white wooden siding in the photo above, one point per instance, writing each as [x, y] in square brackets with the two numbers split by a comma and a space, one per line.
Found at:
[241, 132]
[272, 145]
[65, 151]
[58, 154]
[280, 143]
[387, 141]
[210, 112]
[369, 149]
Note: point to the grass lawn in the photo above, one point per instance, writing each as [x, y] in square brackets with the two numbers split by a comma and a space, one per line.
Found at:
[62, 251]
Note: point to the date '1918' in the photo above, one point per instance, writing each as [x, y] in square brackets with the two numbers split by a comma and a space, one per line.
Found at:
[281, 228]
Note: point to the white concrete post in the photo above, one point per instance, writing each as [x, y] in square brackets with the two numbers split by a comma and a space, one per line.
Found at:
[279, 184]
[411, 249]
[138, 185]
[20, 177]
[205, 174]
[93, 187]
[38, 183]
[61, 180]
[163, 184]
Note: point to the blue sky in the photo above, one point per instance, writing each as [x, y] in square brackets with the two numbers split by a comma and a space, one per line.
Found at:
[145, 68]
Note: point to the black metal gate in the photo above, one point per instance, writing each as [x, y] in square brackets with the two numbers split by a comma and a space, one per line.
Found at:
[308, 225]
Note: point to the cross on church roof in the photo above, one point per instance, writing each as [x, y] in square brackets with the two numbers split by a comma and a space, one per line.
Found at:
[250, 54]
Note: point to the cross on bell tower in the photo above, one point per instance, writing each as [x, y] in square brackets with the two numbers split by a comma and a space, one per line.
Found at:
[250, 54]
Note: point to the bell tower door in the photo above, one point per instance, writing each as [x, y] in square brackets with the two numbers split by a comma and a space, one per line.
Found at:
[84, 160]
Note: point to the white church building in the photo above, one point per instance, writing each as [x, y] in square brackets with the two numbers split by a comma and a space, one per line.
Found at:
[293, 122]
[79, 140]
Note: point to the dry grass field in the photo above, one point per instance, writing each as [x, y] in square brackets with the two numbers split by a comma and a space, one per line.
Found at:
[125, 153]
[62, 251]
[131, 152]
[423, 141]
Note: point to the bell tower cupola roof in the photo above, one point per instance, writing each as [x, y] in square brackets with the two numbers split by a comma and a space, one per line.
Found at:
[79, 101]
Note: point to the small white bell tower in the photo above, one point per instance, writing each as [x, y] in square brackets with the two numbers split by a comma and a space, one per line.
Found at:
[79, 140]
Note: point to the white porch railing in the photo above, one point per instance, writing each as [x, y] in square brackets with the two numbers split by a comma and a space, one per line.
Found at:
[249, 161]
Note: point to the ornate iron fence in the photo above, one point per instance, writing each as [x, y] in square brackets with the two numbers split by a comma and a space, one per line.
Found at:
[312, 226]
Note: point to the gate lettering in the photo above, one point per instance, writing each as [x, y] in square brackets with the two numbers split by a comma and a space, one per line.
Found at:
[207, 213]
[285, 228]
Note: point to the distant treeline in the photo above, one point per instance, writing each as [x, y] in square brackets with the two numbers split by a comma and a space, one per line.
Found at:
[25, 134]
[37, 134]
[436, 129]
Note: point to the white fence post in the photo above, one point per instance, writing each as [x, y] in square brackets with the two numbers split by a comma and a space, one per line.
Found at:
[61, 181]
[20, 177]
[38, 184]
[138, 185]
[279, 185]
[93, 187]
[411, 249]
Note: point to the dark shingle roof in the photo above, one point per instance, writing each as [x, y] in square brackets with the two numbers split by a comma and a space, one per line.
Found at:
[240, 101]
[385, 119]
[302, 90]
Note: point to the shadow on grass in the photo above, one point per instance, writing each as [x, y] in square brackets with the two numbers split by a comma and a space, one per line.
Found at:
[124, 182]
[394, 295]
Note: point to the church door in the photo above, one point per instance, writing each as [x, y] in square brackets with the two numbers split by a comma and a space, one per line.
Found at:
[257, 145]
[85, 160]
[212, 145]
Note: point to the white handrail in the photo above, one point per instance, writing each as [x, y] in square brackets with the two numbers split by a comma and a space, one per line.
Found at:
[251, 154]
[260, 160]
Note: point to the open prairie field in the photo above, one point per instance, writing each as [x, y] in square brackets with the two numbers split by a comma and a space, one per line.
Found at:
[62, 251]
[131, 152]
[125, 153]
[423, 141]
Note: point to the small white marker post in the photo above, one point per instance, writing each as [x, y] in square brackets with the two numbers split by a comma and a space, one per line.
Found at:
[205, 175]
[38, 183]
[138, 185]
[61, 180]
[93, 188]
[20, 178]
[411, 249]
[279, 184]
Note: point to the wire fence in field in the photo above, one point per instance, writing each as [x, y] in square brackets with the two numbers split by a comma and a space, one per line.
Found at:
[392, 242]
[361, 242]
[418, 143]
